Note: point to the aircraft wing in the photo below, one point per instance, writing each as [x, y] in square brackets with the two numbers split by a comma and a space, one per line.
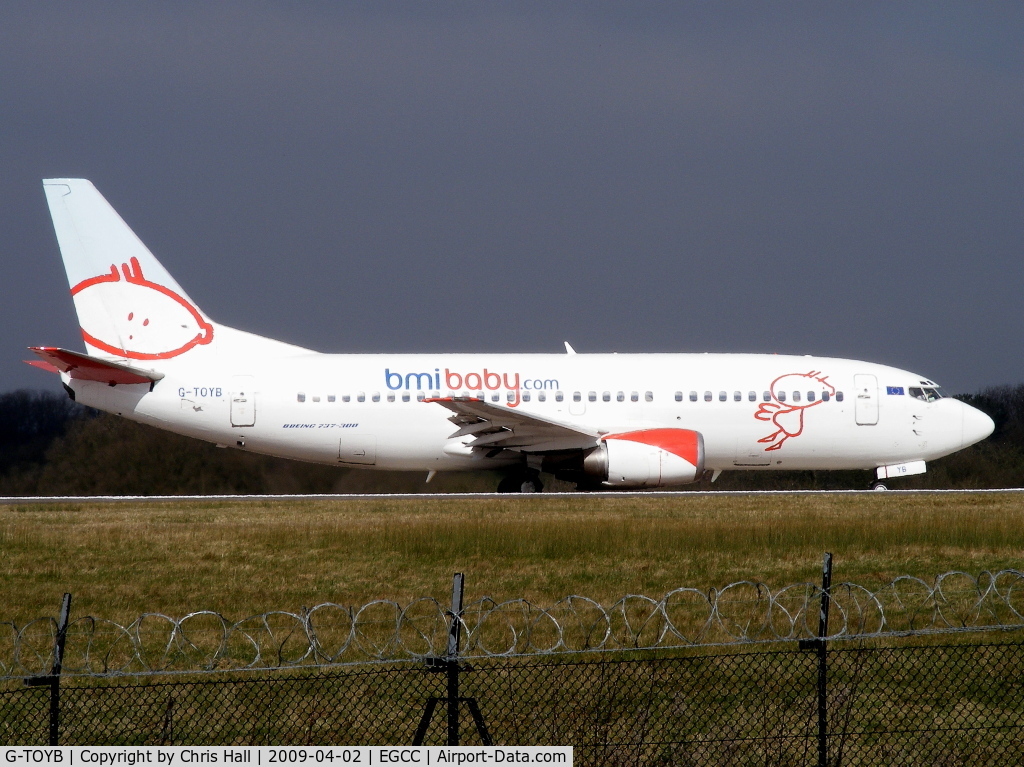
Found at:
[86, 368]
[494, 426]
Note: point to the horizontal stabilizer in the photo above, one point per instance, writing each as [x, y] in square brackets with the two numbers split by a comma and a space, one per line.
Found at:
[85, 368]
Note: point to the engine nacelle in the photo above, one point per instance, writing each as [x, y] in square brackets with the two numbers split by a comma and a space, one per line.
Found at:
[648, 458]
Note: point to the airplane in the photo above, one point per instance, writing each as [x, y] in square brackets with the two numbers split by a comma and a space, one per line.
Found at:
[599, 420]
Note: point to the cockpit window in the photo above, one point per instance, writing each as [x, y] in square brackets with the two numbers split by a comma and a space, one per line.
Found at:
[926, 393]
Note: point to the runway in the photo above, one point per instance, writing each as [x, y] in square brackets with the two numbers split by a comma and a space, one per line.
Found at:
[20, 500]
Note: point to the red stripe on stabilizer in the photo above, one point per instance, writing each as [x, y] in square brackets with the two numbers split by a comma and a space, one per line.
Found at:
[86, 368]
[681, 442]
[43, 365]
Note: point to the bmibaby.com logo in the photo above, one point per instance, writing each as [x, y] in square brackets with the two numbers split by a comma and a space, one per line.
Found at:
[485, 380]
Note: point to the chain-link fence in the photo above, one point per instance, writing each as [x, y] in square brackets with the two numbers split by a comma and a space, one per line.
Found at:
[908, 704]
[936, 691]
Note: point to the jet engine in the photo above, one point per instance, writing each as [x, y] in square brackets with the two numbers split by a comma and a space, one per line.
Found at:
[647, 458]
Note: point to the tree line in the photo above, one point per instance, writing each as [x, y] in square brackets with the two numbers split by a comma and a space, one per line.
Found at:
[50, 445]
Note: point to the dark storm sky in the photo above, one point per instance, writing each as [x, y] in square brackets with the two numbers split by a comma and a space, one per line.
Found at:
[843, 179]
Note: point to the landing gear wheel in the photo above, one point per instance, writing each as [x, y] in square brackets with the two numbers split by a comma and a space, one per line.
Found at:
[531, 485]
[521, 483]
[513, 483]
[879, 486]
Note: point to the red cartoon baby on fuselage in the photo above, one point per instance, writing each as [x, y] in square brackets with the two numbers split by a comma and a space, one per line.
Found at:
[788, 417]
[145, 321]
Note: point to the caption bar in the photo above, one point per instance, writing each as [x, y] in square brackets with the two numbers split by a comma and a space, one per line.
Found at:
[257, 756]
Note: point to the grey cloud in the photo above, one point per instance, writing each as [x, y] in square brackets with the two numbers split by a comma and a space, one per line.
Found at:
[798, 178]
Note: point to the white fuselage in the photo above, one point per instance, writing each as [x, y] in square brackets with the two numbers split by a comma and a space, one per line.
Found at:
[627, 420]
[754, 411]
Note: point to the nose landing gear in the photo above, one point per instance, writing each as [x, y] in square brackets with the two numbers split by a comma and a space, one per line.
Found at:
[877, 485]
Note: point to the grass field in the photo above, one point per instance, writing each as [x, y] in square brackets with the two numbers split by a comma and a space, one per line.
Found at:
[242, 558]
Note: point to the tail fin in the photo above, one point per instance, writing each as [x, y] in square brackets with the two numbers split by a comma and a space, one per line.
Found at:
[128, 305]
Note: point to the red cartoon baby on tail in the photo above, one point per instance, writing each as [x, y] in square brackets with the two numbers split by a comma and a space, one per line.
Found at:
[125, 314]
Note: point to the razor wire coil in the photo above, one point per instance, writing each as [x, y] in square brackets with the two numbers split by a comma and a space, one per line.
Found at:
[744, 612]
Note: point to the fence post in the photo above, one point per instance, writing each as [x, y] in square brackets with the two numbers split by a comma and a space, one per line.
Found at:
[452, 658]
[826, 588]
[53, 678]
[449, 663]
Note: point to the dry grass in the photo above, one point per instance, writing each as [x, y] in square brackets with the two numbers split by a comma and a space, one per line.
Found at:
[242, 558]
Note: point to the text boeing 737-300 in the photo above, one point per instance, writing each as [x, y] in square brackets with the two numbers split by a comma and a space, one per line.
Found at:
[600, 420]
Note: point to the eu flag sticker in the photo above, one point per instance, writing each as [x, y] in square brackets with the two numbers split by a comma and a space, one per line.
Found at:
[894, 390]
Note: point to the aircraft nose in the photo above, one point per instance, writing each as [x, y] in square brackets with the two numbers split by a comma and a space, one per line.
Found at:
[977, 425]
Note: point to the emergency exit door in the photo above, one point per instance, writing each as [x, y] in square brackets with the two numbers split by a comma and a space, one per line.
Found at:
[866, 399]
[243, 401]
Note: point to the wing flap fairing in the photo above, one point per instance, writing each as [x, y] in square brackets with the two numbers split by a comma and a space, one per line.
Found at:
[496, 427]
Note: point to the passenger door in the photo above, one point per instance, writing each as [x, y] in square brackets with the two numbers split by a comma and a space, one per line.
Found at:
[243, 400]
[866, 399]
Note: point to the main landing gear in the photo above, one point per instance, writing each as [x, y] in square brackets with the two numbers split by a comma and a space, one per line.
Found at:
[521, 482]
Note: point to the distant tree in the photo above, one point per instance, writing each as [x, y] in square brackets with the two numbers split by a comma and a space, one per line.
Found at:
[108, 455]
[51, 446]
[30, 421]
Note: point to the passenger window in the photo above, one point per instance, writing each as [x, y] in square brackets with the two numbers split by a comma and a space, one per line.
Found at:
[708, 396]
[558, 396]
[316, 397]
[405, 396]
[391, 398]
[634, 396]
[420, 396]
[648, 396]
[723, 396]
[825, 397]
[752, 396]
[796, 396]
[679, 396]
[839, 396]
[782, 396]
[346, 398]
[810, 396]
[541, 397]
[300, 397]
[693, 396]
[737, 396]
[511, 396]
[376, 396]
[577, 397]
[620, 397]
[495, 398]
[592, 396]
[361, 397]
[331, 398]
[766, 396]
[526, 396]
[606, 396]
